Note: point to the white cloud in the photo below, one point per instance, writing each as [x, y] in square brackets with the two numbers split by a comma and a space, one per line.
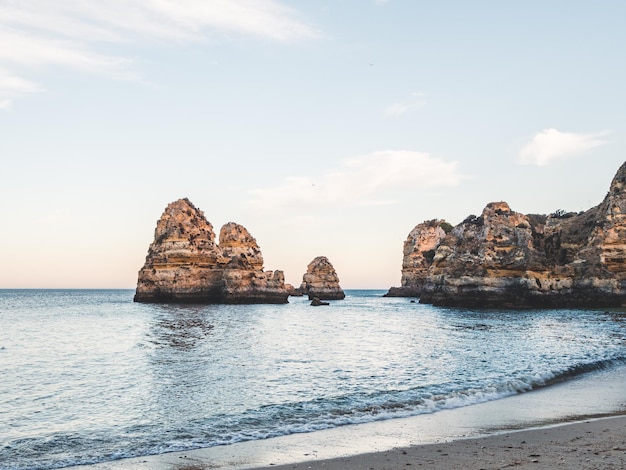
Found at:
[551, 144]
[415, 101]
[31, 51]
[11, 85]
[14, 83]
[179, 20]
[370, 180]
[71, 33]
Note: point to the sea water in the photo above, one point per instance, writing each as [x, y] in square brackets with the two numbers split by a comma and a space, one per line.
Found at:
[89, 376]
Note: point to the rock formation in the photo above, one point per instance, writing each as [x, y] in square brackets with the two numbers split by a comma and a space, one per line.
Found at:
[293, 291]
[184, 264]
[321, 281]
[506, 259]
[317, 302]
[419, 251]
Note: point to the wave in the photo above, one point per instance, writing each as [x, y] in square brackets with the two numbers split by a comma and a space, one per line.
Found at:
[296, 417]
[309, 416]
[577, 370]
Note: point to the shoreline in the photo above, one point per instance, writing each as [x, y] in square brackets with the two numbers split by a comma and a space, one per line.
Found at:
[463, 434]
[593, 443]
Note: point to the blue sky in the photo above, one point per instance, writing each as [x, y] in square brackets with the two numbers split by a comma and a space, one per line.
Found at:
[325, 127]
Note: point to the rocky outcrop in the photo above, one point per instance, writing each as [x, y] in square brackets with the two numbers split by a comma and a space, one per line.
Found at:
[321, 281]
[419, 252]
[293, 291]
[503, 258]
[317, 302]
[184, 264]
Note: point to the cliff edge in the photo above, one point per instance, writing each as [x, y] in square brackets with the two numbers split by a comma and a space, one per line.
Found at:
[503, 258]
[419, 252]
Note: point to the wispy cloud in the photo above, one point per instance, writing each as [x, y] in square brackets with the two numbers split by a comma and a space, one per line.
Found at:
[415, 101]
[27, 50]
[369, 180]
[72, 33]
[551, 144]
[14, 83]
[11, 85]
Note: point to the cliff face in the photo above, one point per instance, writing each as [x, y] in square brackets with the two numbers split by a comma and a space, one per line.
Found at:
[184, 264]
[321, 281]
[419, 251]
[506, 259]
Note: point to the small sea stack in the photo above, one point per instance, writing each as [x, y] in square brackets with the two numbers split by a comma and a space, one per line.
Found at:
[318, 303]
[185, 264]
[321, 281]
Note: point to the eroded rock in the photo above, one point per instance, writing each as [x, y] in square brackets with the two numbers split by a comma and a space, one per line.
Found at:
[505, 259]
[321, 281]
[419, 251]
[316, 302]
[184, 264]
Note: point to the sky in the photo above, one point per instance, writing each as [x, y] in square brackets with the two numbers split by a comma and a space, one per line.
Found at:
[324, 127]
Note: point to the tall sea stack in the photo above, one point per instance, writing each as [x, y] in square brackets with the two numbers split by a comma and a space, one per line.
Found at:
[184, 264]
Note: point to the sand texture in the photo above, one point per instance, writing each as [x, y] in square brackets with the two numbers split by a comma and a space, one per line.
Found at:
[596, 444]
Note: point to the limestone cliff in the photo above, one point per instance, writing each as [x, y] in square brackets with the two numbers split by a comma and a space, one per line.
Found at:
[184, 264]
[321, 281]
[506, 259]
[419, 251]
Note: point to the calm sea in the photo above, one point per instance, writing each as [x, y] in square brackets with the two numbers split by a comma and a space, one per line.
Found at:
[89, 376]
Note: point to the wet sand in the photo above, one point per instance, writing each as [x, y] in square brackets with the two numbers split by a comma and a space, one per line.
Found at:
[521, 431]
[596, 444]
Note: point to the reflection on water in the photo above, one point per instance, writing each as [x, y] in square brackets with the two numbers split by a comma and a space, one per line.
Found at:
[616, 316]
[179, 326]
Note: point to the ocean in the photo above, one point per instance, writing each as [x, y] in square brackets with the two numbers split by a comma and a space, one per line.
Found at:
[88, 376]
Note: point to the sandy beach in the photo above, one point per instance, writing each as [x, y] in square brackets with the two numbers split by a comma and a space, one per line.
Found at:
[576, 424]
[591, 444]
[598, 443]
